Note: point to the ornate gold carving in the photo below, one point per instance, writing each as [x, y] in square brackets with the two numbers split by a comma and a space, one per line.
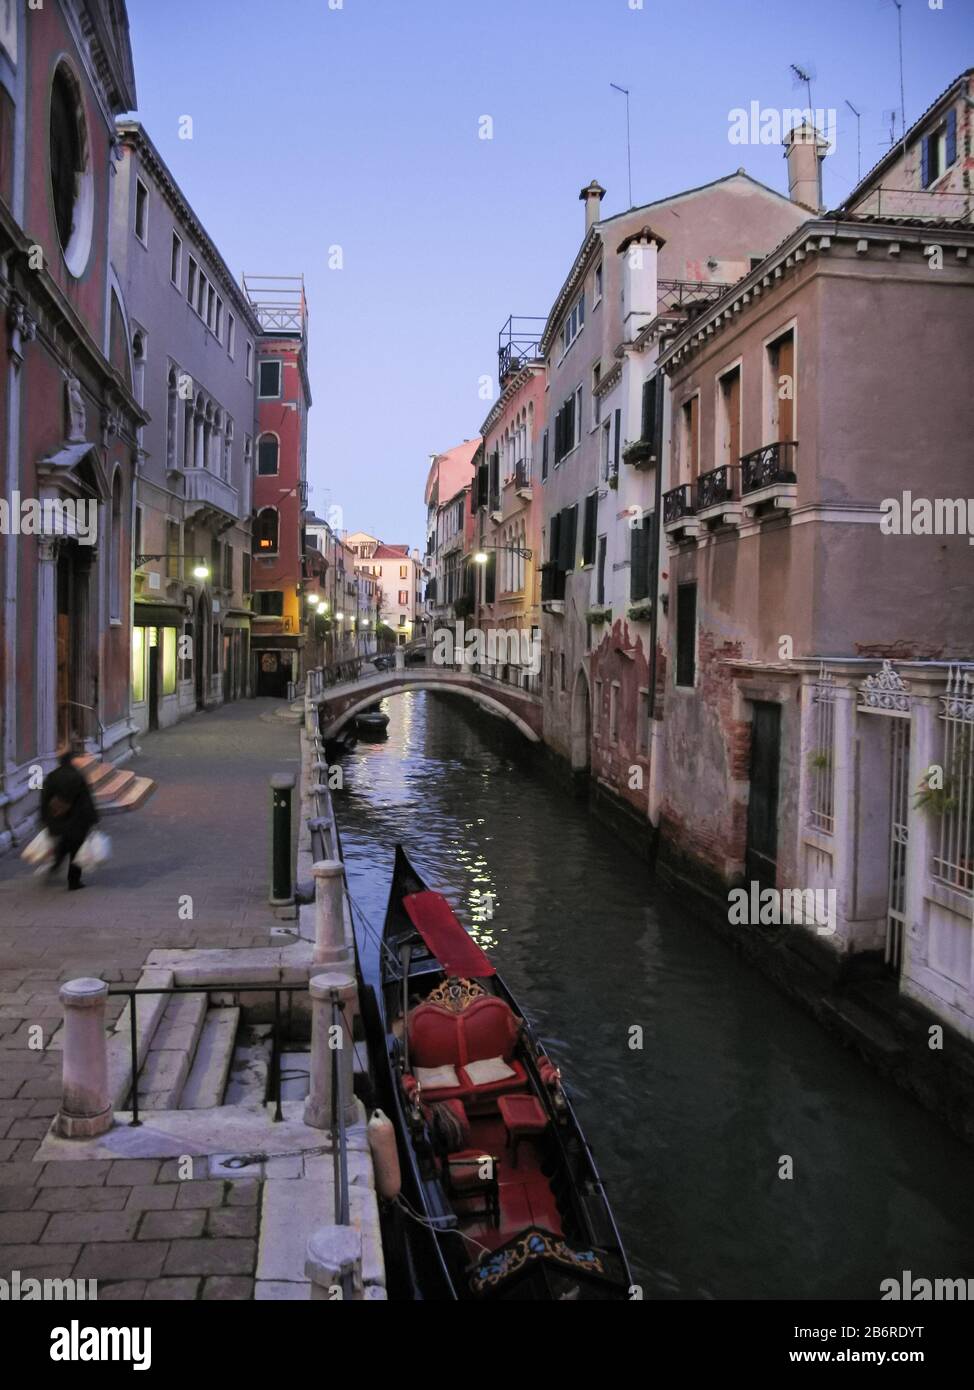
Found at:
[456, 994]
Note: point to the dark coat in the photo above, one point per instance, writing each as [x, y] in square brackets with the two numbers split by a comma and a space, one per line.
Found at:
[67, 807]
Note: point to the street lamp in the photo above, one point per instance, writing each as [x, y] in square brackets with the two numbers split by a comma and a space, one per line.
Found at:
[201, 569]
[480, 557]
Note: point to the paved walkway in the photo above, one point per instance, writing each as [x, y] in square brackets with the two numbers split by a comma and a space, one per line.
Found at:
[203, 833]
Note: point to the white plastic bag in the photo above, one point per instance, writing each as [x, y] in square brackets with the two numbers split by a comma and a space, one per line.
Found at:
[96, 850]
[40, 849]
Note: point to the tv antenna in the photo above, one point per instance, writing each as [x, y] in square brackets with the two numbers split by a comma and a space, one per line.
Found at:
[889, 114]
[858, 116]
[804, 75]
[625, 93]
[899, 29]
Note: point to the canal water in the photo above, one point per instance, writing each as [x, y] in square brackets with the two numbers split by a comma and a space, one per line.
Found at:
[689, 1130]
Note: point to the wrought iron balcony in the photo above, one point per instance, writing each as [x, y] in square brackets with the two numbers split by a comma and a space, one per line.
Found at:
[678, 503]
[522, 478]
[769, 466]
[716, 487]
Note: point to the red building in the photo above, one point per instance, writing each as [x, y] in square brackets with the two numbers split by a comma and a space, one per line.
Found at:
[68, 413]
[280, 485]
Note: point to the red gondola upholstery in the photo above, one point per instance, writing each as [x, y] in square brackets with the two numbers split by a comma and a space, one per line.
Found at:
[485, 1029]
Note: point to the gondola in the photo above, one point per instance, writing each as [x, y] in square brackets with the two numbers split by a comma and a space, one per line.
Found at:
[501, 1198]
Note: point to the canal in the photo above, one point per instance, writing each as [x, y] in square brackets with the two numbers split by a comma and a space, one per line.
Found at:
[690, 1129]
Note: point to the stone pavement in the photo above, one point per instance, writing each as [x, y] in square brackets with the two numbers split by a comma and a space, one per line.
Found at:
[131, 1224]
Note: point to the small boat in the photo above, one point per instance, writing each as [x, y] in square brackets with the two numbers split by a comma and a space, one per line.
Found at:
[371, 721]
[500, 1198]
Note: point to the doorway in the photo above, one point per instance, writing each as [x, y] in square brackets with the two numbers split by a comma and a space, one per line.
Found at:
[71, 637]
[761, 857]
[152, 634]
[200, 649]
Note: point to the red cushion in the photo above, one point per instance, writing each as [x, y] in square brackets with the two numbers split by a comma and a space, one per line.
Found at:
[433, 1040]
[437, 1036]
[489, 1030]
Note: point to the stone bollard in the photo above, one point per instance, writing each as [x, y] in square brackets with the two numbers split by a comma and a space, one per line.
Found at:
[334, 1251]
[400, 658]
[86, 1108]
[323, 989]
[330, 947]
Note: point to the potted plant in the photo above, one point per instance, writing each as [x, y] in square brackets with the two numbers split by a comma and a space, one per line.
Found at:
[640, 612]
[599, 614]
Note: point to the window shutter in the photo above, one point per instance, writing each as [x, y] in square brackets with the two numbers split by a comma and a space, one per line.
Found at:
[925, 161]
[544, 456]
[581, 309]
[588, 535]
[649, 410]
[568, 537]
[686, 633]
[555, 549]
[490, 579]
[600, 583]
[569, 439]
[618, 429]
[951, 135]
[637, 562]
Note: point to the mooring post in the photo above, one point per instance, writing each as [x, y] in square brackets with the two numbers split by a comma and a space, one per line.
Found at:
[282, 787]
[324, 989]
[334, 1254]
[330, 947]
[86, 1108]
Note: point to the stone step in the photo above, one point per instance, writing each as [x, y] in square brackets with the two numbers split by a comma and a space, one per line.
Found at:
[250, 1068]
[130, 799]
[114, 789]
[171, 1052]
[149, 1011]
[207, 1080]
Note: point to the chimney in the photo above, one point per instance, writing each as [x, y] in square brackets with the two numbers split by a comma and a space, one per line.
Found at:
[805, 149]
[640, 252]
[592, 198]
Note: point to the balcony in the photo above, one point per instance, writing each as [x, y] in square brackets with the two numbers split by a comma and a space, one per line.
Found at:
[518, 343]
[640, 454]
[768, 479]
[679, 513]
[205, 492]
[522, 480]
[716, 501]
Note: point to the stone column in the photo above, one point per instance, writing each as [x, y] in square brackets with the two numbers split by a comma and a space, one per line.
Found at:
[330, 947]
[324, 989]
[86, 1108]
[334, 1251]
[46, 648]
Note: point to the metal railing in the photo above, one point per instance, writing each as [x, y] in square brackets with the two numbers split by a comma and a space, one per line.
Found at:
[678, 503]
[518, 342]
[715, 487]
[239, 988]
[688, 296]
[773, 463]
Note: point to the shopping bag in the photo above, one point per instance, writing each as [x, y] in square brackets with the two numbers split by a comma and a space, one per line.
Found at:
[40, 849]
[95, 850]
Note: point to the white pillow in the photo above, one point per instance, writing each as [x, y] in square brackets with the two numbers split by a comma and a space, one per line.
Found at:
[436, 1078]
[490, 1069]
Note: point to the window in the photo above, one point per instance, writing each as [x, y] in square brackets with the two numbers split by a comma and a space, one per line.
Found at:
[647, 429]
[228, 566]
[686, 634]
[600, 573]
[566, 534]
[174, 565]
[641, 558]
[781, 373]
[729, 418]
[403, 596]
[168, 660]
[403, 571]
[938, 150]
[588, 529]
[249, 362]
[614, 712]
[568, 425]
[574, 324]
[141, 212]
[211, 308]
[597, 709]
[176, 260]
[202, 286]
[402, 620]
[269, 384]
[245, 577]
[218, 327]
[72, 186]
[598, 282]
[544, 456]
[596, 398]
[268, 449]
[690, 439]
[269, 603]
[265, 532]
[231, 331]
[191, 281]
[115, 557]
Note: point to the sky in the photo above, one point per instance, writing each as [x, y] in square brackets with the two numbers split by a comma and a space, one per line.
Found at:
[358, 124]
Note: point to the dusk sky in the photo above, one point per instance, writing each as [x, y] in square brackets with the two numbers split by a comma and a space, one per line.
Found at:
[357, 127]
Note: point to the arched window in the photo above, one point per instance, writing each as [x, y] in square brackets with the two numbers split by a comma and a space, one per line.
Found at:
[72, 185]
[265, 532]
[228, 450]
[115, 555]
[172, 418]
[268, 449]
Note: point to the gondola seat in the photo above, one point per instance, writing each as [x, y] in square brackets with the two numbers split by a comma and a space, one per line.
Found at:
[485, 1031]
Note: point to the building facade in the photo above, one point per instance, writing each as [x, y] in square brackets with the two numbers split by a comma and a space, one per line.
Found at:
[280, 618]
[449, 534]
[397, 574]
[192, 332]
[69, 417]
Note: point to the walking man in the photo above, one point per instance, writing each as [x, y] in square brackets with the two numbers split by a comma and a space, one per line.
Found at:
[68, 812]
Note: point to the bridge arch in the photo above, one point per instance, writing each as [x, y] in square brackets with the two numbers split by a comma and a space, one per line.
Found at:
[339, 707]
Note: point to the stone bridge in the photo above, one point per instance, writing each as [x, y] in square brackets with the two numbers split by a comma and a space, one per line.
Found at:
[338, 704]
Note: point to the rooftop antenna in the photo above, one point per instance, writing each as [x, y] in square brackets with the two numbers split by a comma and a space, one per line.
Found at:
[889, 114]
[858, 116]
[805, 74]
[899, 27]
[625, 93]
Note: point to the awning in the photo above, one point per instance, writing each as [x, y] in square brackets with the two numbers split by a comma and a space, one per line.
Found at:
[453, 947]
[159, 615]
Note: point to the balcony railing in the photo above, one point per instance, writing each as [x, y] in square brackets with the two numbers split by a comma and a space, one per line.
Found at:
[522, 478]
[678, 503]
[715, 487]
[207, 490]
[774, 463]
[688, 296]
[517, 343]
